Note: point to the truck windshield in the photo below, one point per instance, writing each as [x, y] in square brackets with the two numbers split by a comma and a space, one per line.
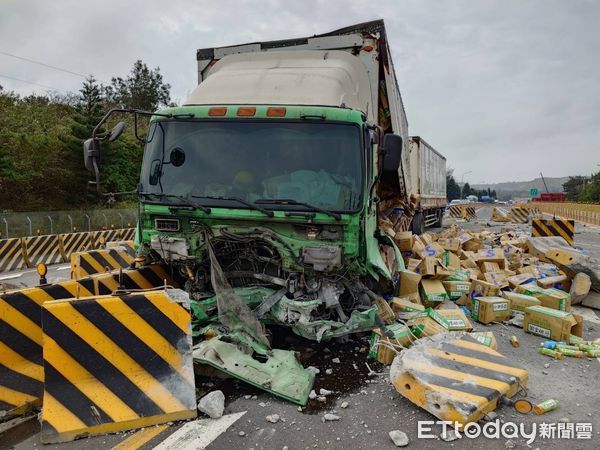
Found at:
[315, 163]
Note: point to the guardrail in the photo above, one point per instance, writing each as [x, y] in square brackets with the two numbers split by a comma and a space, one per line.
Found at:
[581, 212]
[17, 253]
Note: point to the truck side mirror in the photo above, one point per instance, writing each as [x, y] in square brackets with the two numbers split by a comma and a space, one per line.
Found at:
[116, 132]
[91, 158]
[391, 152]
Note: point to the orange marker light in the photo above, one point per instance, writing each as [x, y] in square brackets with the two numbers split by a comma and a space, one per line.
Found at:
[246, 112]
[275, 112]
[217, 111]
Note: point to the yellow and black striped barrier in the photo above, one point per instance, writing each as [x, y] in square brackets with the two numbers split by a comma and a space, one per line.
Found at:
[499, 215]
[128, 234]
[469, 213]
[554, 227]
[116, 363]
[147, 277]
[21, 372]
[99, 261]
[519, 214]
[75, 242]
[100, 238]
[456, 379]
[42, 249]
[455, 212]
[12, 256]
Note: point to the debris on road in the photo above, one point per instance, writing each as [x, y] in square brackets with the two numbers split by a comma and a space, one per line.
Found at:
[330, 417]
[212, 404]
[545, 406]
[399, 438]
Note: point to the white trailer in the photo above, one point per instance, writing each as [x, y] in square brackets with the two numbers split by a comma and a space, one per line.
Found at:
[427, 183]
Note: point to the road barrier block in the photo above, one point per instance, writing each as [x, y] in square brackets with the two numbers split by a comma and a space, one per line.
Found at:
[75, 242]
[99, 261]
[554, 227]
[499, 215]
[100, 238]
[459, 380]
[12, 256]
[116, 363]
[42, 249]
[21, 372]
[148, 277]
[519, 214]
[128, 234]
[455, 212]
[469, 213]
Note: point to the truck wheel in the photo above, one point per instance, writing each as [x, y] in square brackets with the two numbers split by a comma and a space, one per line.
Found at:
[440, 222]
[417, 225]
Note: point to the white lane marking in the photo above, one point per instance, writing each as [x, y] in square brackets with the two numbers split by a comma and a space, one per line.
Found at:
[63, 267]
[199, 433]
[11, 276]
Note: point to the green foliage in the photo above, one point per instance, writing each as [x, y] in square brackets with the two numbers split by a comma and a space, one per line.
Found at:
[142, 89]
[591, 190]
[41, 142]
[574, 187]
[452, 187]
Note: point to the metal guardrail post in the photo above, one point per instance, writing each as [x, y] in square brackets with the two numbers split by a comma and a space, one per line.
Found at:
[51, 224]
[105, 220]
[89, 222]
[5, 226]
[122, 221]
[30, 226]
[70, 223]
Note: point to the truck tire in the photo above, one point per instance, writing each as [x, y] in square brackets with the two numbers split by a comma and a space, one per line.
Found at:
[417, 225]
[440, 222]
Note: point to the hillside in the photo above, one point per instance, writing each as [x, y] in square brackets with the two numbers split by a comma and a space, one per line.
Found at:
[510, 189]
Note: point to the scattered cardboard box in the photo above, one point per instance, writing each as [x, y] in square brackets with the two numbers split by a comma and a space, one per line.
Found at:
[456, 318]
[404, 240]
[486, 338]
[404, 304]
[432, 291]
[480, 288]
[382, 347]
[519, 302]
[490, 309]
[551, 323]
[409, 286]
[456, 289]
[428, 323]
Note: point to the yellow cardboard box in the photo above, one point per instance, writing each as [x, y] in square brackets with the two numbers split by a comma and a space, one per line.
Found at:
[490, 309]
[409, 285]
[486, 338]
[457, 289]
[551, 323]
[456, 318]
[433, 291]
[518, 302]
[404, 240]
[381, 347]
[404, 304]
[480, 288]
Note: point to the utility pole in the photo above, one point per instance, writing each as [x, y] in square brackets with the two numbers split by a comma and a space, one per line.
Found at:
[462, 184]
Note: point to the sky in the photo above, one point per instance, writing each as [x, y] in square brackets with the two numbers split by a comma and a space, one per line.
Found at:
[504, 89]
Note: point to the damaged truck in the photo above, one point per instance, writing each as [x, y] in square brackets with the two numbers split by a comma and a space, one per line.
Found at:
[270, 197]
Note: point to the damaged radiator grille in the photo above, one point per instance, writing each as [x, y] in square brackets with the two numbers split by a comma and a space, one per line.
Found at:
[162, 224]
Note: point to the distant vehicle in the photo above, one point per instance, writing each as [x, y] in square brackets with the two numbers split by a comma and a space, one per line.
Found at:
[486, 199]
[551, 197]
[456, 201]
[471, 199]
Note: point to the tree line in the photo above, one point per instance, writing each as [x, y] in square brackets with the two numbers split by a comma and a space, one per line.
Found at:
[583, 189]
[41, 139]
[454, 190]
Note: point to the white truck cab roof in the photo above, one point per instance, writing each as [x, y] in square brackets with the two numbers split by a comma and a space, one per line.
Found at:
[301, 77]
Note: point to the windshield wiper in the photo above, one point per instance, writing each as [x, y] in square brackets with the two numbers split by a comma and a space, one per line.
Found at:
[239, 200]
[287, 201]
[187, 202]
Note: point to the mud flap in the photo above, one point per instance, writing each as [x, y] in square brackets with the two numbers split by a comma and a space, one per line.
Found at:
[455, 378]
[114, 363]
[279, 372]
